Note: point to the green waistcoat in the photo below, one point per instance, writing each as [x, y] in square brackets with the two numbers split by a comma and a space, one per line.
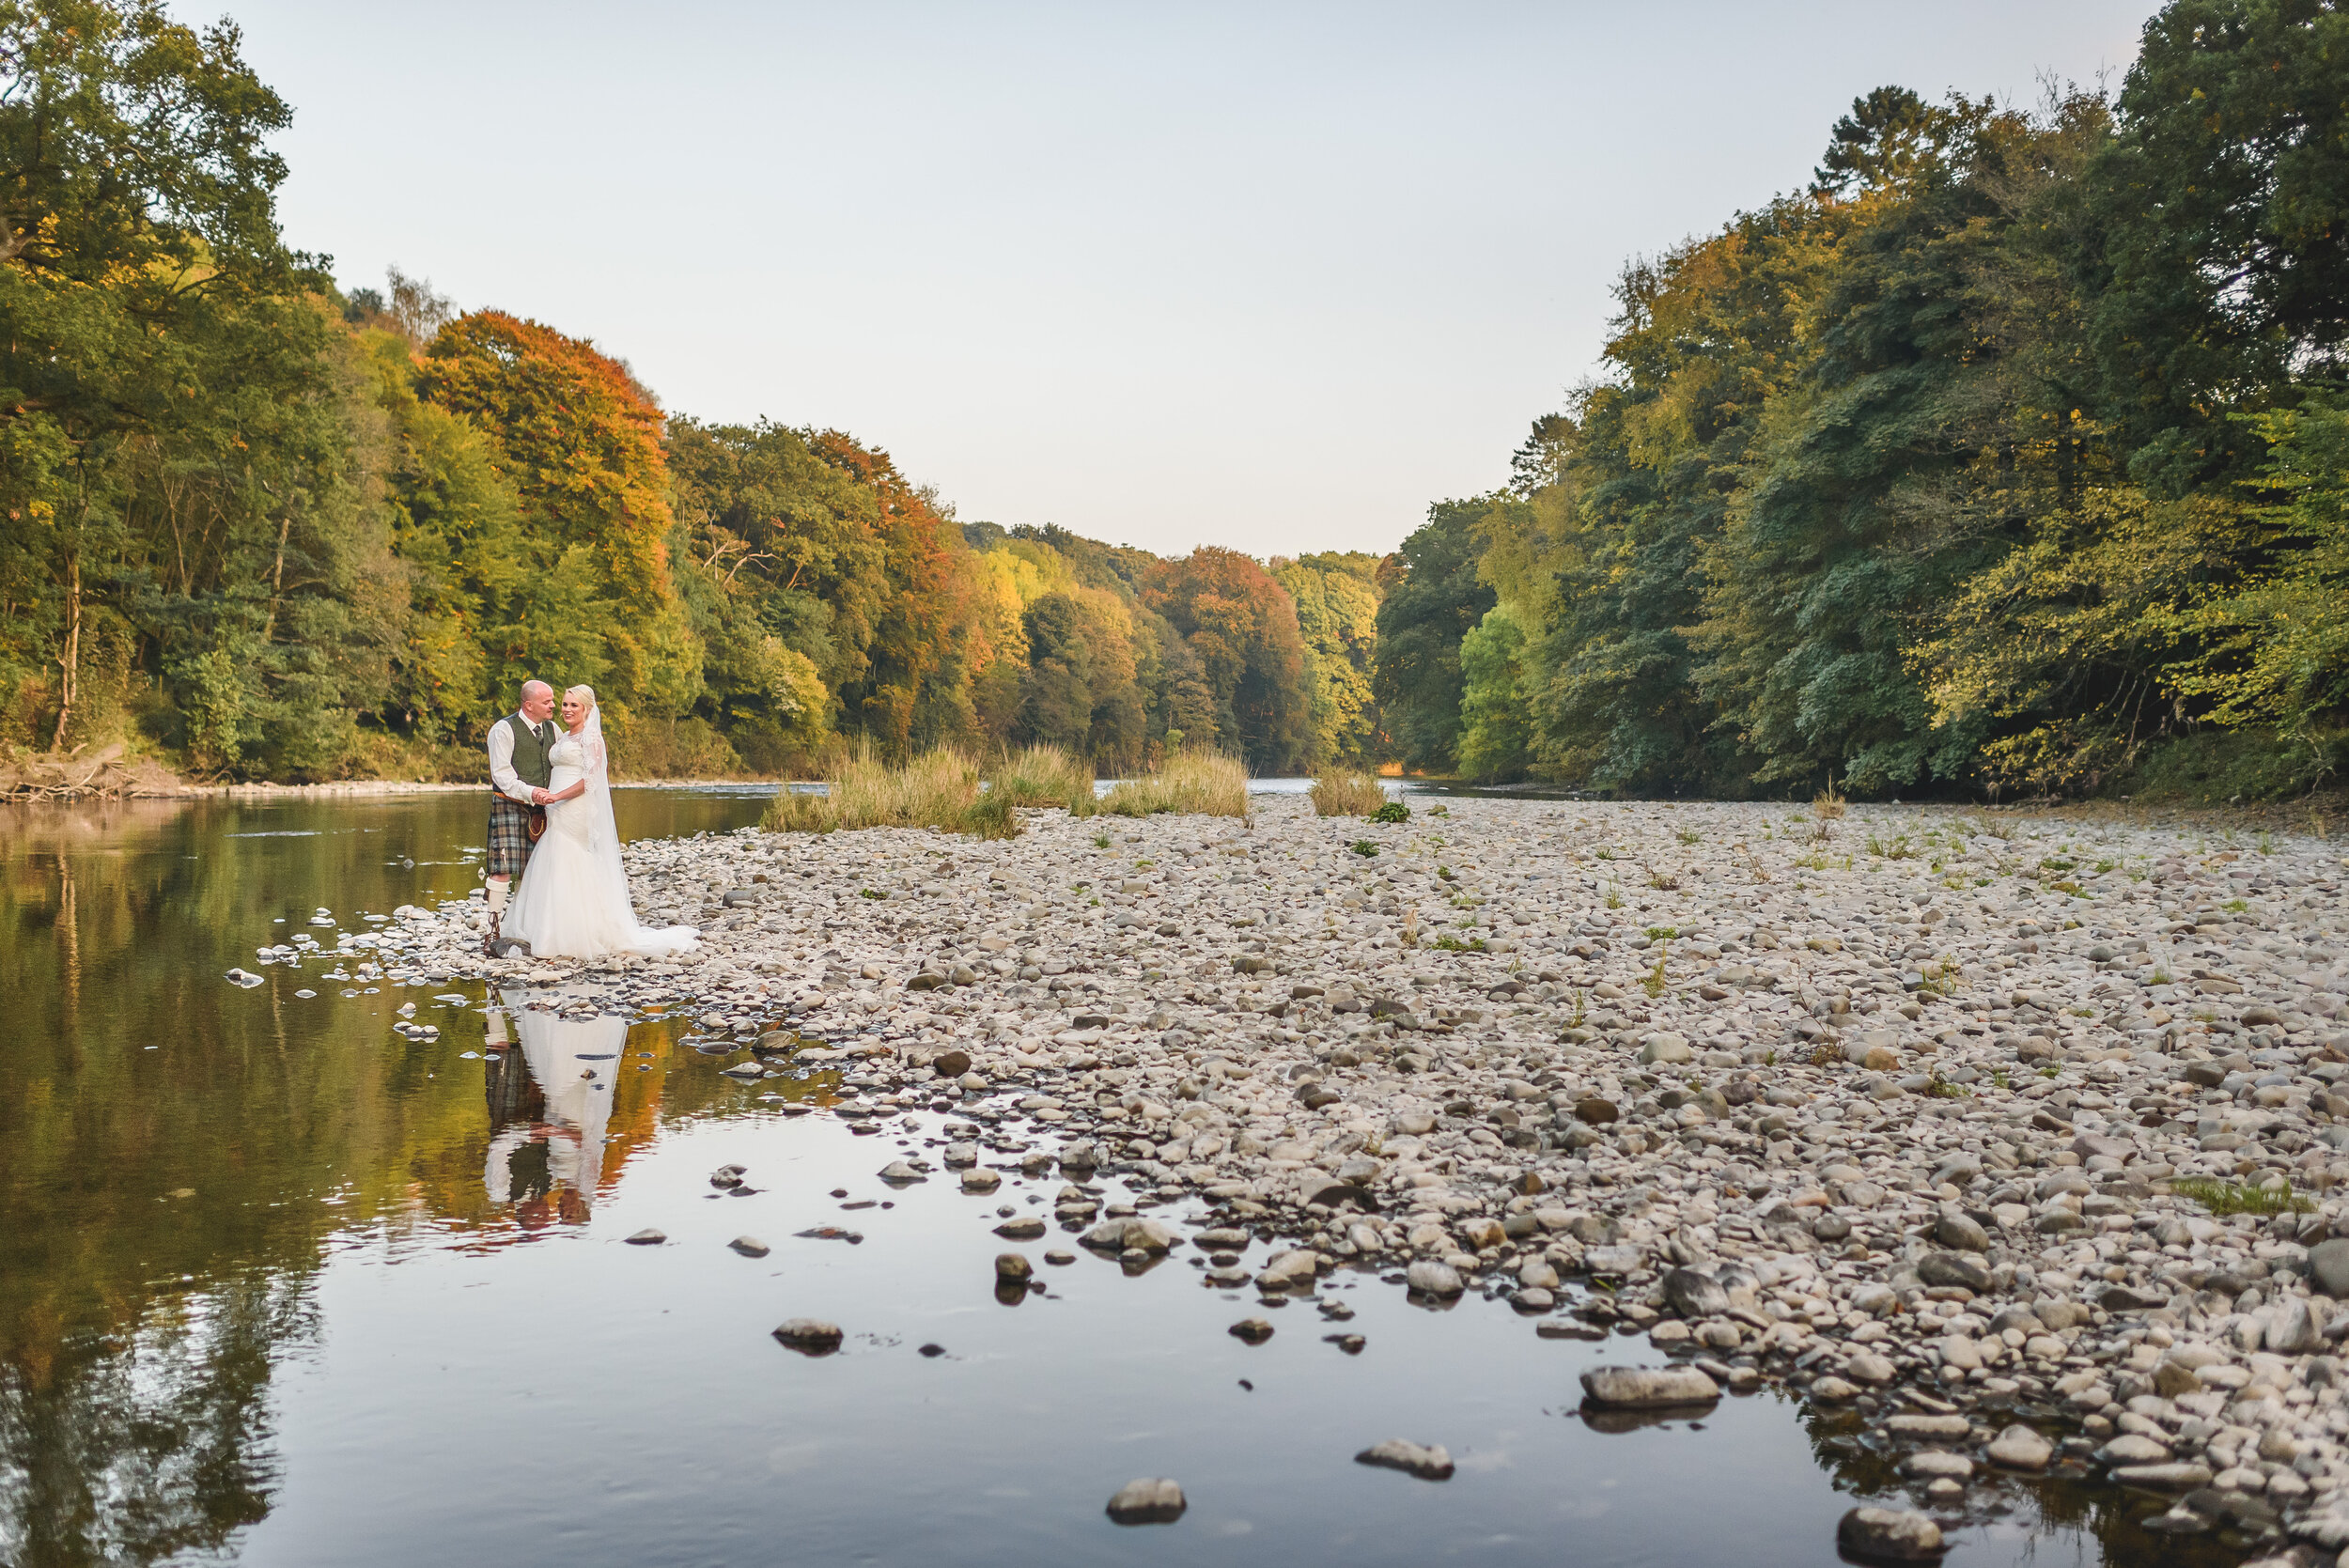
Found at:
[530, 753]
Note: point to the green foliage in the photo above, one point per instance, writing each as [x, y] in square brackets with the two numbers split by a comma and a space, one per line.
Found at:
[2225, 1197]
[268, 531]
[1431, 599]
[2002, 458]
[186, 537]
[1363, 847]
[1394, 811]
[1336, 595]
[1496, 731]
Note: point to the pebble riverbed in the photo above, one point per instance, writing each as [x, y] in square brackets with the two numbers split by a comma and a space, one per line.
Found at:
[1915, 1112]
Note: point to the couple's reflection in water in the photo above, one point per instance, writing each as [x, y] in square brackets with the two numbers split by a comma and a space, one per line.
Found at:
[549, 1088]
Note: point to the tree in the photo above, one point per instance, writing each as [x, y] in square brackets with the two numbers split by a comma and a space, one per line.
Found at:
[1336, 595]
[1242, 627]
[2220, 274]
[580, 442]
[1430, 599]
[184, 506]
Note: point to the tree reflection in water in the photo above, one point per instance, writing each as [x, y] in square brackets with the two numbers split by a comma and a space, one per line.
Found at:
[176, 1155]
[154, 1445]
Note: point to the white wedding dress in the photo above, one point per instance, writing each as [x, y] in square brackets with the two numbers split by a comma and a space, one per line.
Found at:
[574, 902]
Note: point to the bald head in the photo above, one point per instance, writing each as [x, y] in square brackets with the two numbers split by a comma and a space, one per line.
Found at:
[538, 701]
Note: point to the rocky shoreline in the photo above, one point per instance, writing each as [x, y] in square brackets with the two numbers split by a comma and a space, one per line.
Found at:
[1940, 1118]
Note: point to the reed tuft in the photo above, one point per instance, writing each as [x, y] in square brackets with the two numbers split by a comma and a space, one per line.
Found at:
[1044, 776]
[1200, 782]
[937, 789]
[1347, 794]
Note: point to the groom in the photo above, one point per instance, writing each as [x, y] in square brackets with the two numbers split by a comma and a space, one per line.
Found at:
[519, 771]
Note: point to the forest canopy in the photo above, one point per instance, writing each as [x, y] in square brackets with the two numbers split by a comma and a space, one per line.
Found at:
[2008, 455]
[262, 527]
[2007, 452]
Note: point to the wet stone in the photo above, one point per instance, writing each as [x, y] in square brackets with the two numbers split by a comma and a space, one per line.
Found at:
[2019, 1448]
[1156, 1502]
[1888, 1535]
[1430, 1462]
[1645, 1387]
[809, 1336]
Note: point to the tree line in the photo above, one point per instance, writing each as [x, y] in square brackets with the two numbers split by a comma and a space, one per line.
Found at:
[2011, 454]
[267, 527]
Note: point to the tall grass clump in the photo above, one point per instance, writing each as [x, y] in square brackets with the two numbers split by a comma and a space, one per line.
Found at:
[1201, 783]
[937, 789]
[1044, 776]
[1347, 794]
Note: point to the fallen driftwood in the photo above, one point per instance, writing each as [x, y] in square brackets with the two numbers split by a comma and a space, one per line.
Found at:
[82, 775]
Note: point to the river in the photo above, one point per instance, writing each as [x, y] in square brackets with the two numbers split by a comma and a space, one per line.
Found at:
[282, 1284]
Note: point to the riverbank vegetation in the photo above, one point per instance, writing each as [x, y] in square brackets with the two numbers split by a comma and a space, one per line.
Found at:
[2010, 454]
[254, 524]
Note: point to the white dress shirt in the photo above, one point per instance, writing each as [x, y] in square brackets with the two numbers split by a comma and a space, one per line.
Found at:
[502, 761]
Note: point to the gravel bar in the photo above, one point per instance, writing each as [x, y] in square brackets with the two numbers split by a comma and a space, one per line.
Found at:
[2019, 1137]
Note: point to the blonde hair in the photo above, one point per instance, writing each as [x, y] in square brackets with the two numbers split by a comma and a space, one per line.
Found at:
[586, 693]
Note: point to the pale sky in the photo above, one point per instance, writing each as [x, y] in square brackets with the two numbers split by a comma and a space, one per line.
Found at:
[1272, 276]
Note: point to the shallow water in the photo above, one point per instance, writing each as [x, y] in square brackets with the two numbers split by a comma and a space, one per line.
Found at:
[278, 1285]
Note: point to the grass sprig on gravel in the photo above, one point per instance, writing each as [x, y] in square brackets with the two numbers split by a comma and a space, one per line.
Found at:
[2224, 1198]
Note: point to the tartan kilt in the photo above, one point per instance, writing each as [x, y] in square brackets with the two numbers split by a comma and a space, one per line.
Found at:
[509, 836]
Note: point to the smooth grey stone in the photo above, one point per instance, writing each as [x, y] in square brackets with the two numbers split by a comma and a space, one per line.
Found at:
[649, 1237]
[1888, 1535]
[2172, 1476]
[810, 1336]
[749, 1246]
[1430, 1462]
[1957, 1228]
[1693, 1295]
[1953, 1269]
[2328, 1267]
[1644, 1388]
[2019, 1448]
[1154, 1501]
[1430, 1277]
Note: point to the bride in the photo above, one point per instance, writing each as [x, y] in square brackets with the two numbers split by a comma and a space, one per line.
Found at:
[574, 901]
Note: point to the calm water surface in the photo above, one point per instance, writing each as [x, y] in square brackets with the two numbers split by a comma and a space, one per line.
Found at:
[279, 1285]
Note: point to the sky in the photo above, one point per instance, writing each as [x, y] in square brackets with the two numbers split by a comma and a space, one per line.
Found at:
[1273, 276]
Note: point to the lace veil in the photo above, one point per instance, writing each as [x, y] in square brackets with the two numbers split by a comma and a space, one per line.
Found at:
[603, 834]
